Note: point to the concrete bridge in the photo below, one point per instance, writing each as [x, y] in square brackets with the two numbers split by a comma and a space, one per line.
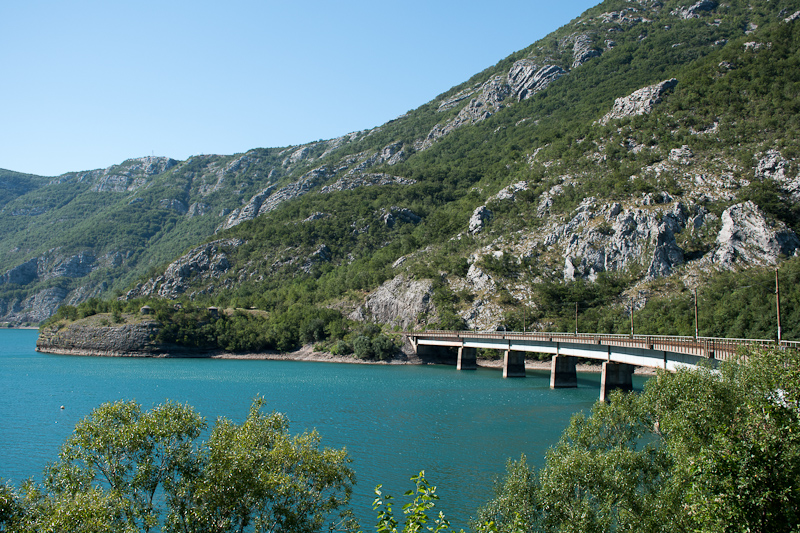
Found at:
[620, 354]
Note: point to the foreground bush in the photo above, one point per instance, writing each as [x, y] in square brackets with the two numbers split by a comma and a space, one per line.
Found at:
[125, 469]
[699, 450]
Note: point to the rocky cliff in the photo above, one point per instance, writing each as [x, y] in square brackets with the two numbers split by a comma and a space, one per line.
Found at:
[97, 336]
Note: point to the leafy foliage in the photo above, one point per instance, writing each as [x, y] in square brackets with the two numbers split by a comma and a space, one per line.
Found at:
[249, 477]
[699, 450]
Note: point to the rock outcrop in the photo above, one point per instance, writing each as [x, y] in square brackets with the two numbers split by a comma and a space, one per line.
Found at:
[525, 78]
[51, 265]
[131, 175]
[91, 337]
[400, 214]
[22, 274]
[398, 302]
[209, 261]
[639, 102]
[747, 238]
[582, 50]
[695, 10]
[356, 181]
[479, 216]
[322, 254]
[270, 198]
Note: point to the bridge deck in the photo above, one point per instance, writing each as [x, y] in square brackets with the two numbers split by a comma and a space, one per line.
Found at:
[642, 350]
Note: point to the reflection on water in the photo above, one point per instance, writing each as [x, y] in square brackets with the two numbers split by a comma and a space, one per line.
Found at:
[460, 427]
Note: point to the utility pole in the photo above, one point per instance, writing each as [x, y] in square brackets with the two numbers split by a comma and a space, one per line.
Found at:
[576, 318]
[696, 328]
[631, 318]
[778, 303]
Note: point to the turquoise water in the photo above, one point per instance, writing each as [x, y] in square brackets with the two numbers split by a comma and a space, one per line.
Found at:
[460, 427]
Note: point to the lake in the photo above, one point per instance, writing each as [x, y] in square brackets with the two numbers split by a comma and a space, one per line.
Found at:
[460, 427]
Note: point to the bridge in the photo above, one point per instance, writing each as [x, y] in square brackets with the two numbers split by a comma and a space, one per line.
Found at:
[620, 354]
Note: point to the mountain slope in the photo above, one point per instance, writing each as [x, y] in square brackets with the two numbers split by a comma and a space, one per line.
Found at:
[578, 158]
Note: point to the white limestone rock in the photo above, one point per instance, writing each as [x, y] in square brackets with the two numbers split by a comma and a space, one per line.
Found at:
[582, 50]
[398, 302]
[695, 10]
[479, 216]
[640, 102]
[747, 238]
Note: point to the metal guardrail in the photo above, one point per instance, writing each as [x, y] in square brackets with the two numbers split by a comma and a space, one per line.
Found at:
[709, 347]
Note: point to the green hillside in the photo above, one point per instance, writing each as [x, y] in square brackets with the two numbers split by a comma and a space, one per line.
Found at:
[698, 191]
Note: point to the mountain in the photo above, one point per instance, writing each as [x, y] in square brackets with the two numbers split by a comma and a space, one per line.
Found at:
[644, 150]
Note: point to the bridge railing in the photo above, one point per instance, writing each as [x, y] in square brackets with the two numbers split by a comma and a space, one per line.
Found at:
[709, 347]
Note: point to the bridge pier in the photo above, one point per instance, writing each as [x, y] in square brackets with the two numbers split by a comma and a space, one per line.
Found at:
[467, 359]
[562, 372]
[615, 376]
[514, 364]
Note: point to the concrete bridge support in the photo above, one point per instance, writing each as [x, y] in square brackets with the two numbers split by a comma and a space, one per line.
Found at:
[562, 372]
[514, 364]
[615, 376]
[467, 359]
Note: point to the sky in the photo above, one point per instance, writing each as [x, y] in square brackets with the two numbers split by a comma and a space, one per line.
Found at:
[89, 84]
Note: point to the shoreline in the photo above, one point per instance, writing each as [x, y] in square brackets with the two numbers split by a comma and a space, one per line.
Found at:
[307, 353]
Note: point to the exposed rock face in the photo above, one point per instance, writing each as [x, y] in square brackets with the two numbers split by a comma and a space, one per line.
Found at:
[398, 302]
[129, 176]
[208, 261]
[772, 165]
[75, 266]
[116, 183]
[355, 181]
[524, 79]
[321, 255]
[216, 180]
[43, 304]
[91, 338]
[582, 50]
[639, 102]
[401, 214]
[477, 219]
[198, 209]
[478, 279]
[269, 198]
[747, 238]
[316, 216]
[509, 193]
[682, 155]
[22, 274]
[174, 204]
[695, 10]
[51, 265]
[249, 211]
[625, 236]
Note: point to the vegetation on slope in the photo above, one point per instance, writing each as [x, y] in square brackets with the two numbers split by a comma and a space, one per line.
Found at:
[732, 102]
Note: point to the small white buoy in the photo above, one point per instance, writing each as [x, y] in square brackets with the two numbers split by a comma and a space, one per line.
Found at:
[62, 406]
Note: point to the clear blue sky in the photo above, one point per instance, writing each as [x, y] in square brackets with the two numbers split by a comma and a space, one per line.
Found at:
[88, 84]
